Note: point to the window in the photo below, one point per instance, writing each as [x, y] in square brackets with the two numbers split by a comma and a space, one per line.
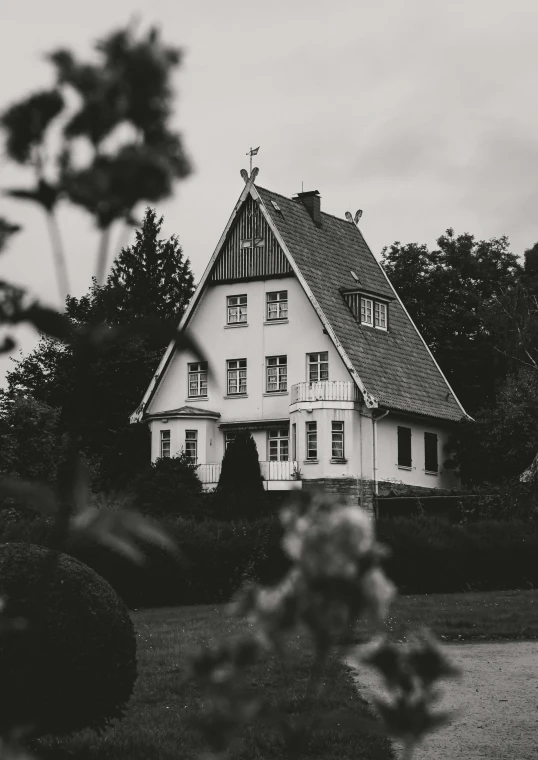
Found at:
[318, 367]
[366, 311]
[311, 440]
[278, 445]
[431, 463]
[294, 441]
[237, 376]
[191, 445]
[229, 436]
[165, 443]
[337, 440]
[259, 242]
[277, 374]
[380, 315]
[197, 379]
[237, 310]
[277, 305]
[404, 447]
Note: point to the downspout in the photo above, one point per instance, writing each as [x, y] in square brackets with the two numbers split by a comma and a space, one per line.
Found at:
[375, 420]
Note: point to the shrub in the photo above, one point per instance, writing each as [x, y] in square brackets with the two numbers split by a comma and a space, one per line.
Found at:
[83, 669]
[168, 487]
[429, 555]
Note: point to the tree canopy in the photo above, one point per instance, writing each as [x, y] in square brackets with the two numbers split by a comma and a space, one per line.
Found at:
[448, 292]
[151, 278]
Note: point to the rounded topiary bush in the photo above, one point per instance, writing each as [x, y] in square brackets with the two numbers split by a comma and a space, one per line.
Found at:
[74, 666]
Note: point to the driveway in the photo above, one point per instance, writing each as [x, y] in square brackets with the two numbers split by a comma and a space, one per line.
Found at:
[498, 693]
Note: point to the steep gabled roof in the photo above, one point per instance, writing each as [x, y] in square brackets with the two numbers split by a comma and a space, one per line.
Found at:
[396, 366]
[393, 369]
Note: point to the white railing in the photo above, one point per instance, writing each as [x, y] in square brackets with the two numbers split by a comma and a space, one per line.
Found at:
[324, 390]
[210, 473]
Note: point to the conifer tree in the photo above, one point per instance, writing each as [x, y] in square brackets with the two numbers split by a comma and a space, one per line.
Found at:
[241, 483]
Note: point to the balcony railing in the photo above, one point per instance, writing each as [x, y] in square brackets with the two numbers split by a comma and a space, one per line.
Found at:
[324, 390]
[210, 473]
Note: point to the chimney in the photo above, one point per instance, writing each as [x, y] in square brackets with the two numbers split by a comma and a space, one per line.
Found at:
[312, 202]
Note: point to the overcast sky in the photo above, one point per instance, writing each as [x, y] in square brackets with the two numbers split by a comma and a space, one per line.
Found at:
[422, 113]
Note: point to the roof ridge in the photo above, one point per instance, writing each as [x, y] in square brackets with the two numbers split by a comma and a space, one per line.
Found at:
[287, 198]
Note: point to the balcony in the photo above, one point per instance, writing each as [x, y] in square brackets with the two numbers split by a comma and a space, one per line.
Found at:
[277, 475]
[324, 390]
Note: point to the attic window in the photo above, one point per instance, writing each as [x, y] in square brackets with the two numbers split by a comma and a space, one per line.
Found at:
[258, 242]
[276, 206]
[368, 310]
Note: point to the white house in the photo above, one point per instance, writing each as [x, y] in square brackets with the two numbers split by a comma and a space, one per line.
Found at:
[312, 351]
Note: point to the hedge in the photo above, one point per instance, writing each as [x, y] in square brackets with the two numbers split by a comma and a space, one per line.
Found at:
[428, 555]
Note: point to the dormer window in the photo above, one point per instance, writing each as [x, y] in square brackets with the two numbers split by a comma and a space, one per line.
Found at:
[368, 310]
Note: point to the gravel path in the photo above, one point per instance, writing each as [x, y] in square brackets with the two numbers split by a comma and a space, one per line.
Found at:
[499, 696]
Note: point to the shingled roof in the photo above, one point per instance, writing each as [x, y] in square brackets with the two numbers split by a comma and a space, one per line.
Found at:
[394, 369]
[395, 366]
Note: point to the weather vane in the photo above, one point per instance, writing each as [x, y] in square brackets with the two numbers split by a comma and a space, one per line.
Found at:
[252, 152]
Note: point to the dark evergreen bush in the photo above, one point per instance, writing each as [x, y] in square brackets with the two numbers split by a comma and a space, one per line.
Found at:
[169, 486]
[75, 664]
[240, 490]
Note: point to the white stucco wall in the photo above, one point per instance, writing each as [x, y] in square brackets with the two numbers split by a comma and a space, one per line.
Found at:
[387, 443]
[208, 437]
[324, 468]
[301, 335]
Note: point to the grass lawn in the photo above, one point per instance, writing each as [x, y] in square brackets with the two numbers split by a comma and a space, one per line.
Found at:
[481, 616]
[159, 721]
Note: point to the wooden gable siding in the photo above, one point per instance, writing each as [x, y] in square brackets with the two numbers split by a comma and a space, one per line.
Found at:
[265, 259]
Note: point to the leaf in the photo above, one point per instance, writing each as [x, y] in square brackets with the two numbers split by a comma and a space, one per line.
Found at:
[42, 497]
[27, 121]
[7, 229]
[7, 345]
[44, 194]
[48, 321]
[120, 530]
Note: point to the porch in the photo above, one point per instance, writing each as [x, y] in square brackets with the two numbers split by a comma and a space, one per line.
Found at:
[277, 476]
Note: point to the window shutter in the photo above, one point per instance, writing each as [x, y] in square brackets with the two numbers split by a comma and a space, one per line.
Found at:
[404, 446]
[431, 463]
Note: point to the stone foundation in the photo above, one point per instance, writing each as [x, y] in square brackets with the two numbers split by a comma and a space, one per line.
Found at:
[347, 487]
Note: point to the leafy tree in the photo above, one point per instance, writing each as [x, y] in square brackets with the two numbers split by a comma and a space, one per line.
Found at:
[122, 122]
[447, 291]
[30, 441]
[151, 278]
[503, 440]
[240, 481]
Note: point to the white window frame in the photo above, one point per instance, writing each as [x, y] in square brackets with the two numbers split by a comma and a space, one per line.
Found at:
[236, 309]
[197, 380]
[165, 443]
[367, 311]
[316, 363]
[380, 315]
[236, 376]
[277, 305]
[338, 438]
[278, 445]
[229, 436]
[191, 446]
[311, 429]
[276, 367]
